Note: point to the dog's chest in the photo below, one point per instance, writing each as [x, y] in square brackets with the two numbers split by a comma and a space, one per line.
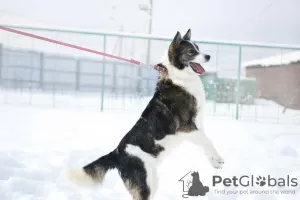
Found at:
[196, 89]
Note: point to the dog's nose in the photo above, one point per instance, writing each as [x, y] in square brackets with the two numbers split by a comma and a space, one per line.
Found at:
[207, 57]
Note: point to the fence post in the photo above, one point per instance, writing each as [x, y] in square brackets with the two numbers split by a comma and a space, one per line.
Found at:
[42, 65]
[114, 78]
[103, 74]
[1, 63]
[78, 75]
[237, 99]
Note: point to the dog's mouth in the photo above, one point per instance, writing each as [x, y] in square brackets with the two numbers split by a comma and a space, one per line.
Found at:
[197, 68]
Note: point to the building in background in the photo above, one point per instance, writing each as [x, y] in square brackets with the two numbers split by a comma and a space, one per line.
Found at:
[277, 79]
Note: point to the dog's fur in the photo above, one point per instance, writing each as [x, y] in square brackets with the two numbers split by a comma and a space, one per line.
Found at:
[174, 114]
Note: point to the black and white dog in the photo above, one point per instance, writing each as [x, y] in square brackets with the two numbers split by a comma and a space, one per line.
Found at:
[174, 114]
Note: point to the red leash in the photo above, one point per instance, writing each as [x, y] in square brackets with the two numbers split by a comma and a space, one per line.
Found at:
[158, 67]
[69, 45]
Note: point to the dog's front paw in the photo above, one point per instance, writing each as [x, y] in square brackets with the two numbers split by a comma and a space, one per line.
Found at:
[217, 162]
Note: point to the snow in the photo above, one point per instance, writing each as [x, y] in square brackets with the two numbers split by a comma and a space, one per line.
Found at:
[38, 144]
[283, 59]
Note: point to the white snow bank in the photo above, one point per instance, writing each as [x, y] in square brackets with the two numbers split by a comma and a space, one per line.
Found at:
[283, 59]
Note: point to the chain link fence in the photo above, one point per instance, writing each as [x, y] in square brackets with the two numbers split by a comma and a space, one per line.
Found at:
[252, 82]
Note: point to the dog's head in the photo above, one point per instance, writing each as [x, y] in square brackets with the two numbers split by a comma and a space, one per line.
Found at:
[183, 53]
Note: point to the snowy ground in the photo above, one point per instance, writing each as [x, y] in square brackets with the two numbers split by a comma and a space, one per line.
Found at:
[38, 144]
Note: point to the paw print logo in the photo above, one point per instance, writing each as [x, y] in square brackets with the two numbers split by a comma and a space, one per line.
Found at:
[261, 181]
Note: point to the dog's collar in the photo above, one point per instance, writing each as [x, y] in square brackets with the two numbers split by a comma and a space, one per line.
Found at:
[160, 67]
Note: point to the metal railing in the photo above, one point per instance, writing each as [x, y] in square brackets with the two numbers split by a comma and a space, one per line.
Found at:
[64, 73]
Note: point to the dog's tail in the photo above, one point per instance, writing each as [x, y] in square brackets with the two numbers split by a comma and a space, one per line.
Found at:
[93, 173]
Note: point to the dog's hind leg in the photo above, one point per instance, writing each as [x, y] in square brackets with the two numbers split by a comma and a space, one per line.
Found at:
[138, 173]
[140, 189]
[135, 180]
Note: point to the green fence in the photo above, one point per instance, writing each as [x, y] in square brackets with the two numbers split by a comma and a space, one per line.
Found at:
[223, 90]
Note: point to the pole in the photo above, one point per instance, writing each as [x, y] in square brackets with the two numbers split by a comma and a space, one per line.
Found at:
[77, 85]
[149, 10]
[42, 66]
[103, 75]
[149, 31]
[237, 100]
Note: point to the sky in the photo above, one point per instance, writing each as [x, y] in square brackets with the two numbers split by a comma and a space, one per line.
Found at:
[264, 21]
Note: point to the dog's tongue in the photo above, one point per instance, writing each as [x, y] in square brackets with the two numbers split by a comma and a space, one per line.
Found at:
[197, 68]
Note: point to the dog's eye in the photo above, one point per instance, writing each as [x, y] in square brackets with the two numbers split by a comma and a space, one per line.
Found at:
[191, 51]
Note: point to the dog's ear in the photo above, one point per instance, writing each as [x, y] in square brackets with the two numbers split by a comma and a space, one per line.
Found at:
[177, 39]
[187, 36]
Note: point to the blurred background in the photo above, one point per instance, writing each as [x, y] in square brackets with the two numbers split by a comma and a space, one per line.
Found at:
[61, 107]
[253, 74]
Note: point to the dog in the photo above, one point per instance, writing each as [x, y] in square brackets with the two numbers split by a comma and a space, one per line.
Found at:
[174, 114]
[197, 187]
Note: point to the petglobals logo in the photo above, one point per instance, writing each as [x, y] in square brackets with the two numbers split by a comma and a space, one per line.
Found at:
[192, 185]
[260, 181]
[255, 185]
